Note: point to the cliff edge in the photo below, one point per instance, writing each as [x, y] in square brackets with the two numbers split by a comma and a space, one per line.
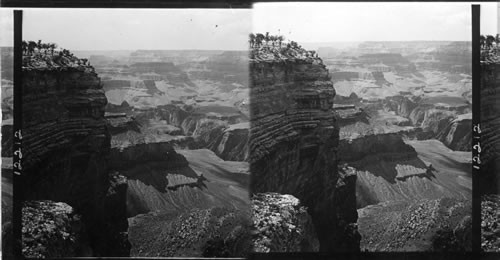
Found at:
[294, 139]
[66, 145]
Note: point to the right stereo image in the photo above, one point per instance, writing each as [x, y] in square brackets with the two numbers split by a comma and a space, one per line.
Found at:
[489, 181]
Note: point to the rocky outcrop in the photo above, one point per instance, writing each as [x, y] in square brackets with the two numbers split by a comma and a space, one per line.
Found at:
[490, 217]
[66, 145]
[379, 78]
[389, 147]
[124, 107]
[490, 123]
[349, 114]
[206, 131]
[282, 224]
[294, 140]
[232, 144]
[162, 154]
[52, 229]
[120, 122]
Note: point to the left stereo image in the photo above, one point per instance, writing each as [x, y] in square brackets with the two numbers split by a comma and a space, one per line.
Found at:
[134, 133]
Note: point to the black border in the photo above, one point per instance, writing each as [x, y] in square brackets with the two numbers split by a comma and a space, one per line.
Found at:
[17, 145]
[476, 211]
[128, 3]
[476, 112]
[174, 3]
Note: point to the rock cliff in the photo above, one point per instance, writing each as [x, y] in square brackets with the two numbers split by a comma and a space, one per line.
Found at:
[294, 141]
[490, 123]
[66, 144]
[458, 135]
[232, 144]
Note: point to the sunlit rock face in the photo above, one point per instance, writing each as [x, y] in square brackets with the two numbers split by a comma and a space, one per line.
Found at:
[62, 235]
[282, 224]
[293, 143]
[66, 144]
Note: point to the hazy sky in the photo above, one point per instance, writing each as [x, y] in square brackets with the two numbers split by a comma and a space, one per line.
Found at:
[350, 22]
[125, 29]
[6, 27]
[87, 29]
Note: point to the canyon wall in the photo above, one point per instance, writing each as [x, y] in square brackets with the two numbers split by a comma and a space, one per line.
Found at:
[293, 145]
[225, 137]
[66, 145]
[457, 135]
[451, 125]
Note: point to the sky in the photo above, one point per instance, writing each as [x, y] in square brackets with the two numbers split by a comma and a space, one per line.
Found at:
[227, 29]
[131, 29]
[355, 21]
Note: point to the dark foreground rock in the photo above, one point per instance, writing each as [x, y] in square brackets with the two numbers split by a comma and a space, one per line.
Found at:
[282, 225]
[490, 223]
[52, 229]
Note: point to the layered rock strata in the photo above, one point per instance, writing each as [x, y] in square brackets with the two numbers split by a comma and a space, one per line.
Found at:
[294, 140]
[450, 124]
[66, 144]
[490, 123]
[226, 137]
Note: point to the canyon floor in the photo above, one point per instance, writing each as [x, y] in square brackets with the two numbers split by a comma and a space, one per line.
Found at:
[414, 225]
[414, 184]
